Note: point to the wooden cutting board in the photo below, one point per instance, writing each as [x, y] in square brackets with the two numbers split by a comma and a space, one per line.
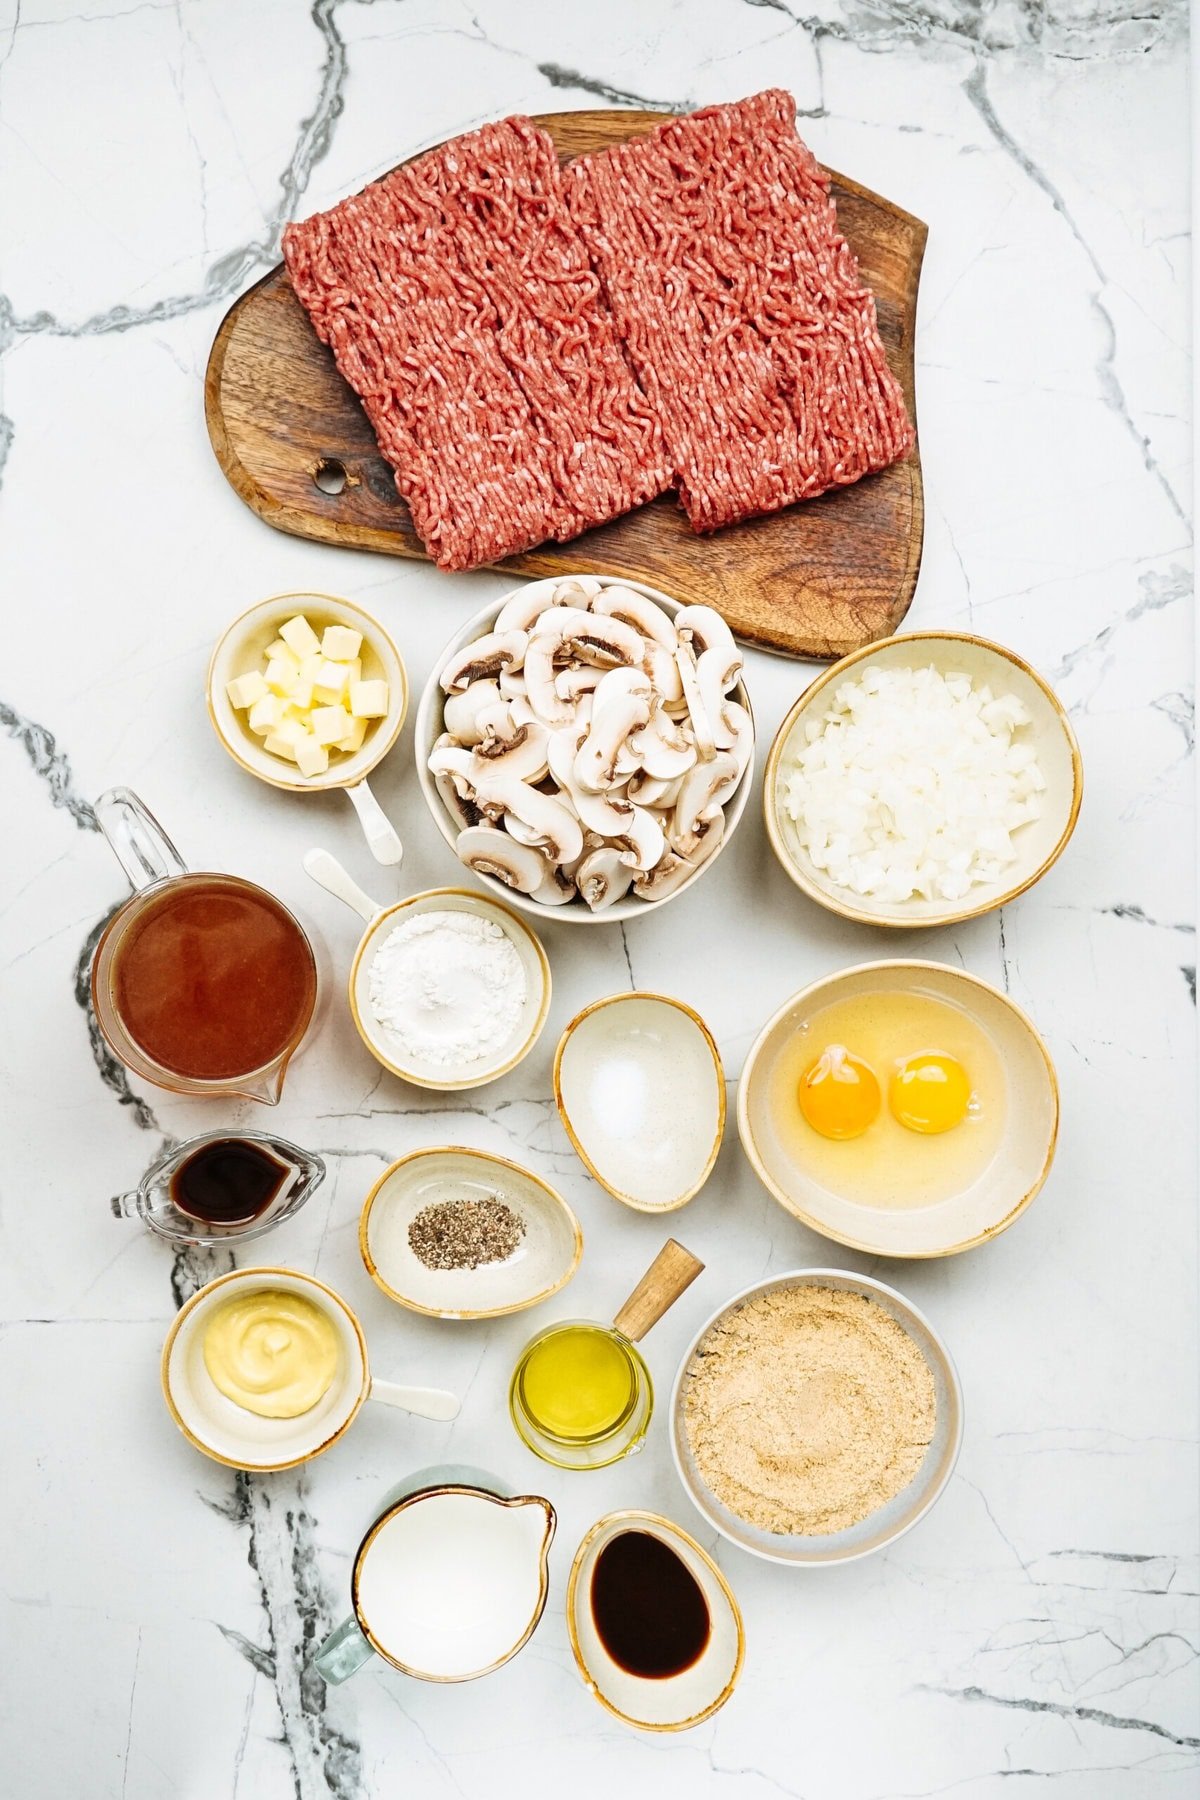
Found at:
[818, 579]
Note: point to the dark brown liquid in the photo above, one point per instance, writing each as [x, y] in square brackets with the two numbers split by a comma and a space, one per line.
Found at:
[214, 979]
[648, 1608]
[227, 1183]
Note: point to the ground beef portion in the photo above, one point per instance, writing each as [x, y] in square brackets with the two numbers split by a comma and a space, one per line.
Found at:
[460, 305]
[742, 309]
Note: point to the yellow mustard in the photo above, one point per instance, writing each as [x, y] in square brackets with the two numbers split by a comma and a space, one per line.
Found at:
[272, 1352]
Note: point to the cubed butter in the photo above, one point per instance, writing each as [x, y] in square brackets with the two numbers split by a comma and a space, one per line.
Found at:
[353, 739]
[329, 682]
[309, 665]
[280, 746]
[329, 724]
[300, 695]
[339, 643]
[369, 699]
[312, 757]
[281, 676]
[266, 713]
[244, 690]
[299, 636]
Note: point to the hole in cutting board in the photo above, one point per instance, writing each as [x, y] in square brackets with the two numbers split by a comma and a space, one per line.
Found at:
[330, 476]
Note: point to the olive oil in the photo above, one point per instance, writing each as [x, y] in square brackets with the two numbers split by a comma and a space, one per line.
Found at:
[578, 1384]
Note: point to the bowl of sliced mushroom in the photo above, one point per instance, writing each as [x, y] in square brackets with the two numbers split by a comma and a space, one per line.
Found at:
[586, 745]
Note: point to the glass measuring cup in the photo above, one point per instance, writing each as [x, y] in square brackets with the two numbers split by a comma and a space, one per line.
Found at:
[203, 984]
[581, 1396]
[153, 1201]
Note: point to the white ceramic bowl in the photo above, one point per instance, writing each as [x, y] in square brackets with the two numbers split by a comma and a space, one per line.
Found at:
[542, 1264]
[880, 1528]
[1039, 844]
[679, 1701]
[429, 728]
[226, 1431]
[640, 1090]
[422, 1072]
[997, 1195]
[240, 648]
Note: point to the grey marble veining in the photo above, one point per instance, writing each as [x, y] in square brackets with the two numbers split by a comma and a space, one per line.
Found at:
[1041, 1630]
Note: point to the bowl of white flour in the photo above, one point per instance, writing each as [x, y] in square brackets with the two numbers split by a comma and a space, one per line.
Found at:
[449, 989]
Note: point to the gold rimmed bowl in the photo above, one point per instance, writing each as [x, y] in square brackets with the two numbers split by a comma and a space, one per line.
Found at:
[640, 1089]
[545, 1258]
[887, 1523]
[240, 649]
[995, 1196]
[229, 1433]
[384, 1046]
[1038, 844]
[676, 1702]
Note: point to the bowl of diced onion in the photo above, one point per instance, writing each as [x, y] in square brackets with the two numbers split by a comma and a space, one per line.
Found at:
[923, 780]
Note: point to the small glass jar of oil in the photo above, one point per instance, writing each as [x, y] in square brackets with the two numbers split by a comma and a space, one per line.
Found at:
[581, 1396]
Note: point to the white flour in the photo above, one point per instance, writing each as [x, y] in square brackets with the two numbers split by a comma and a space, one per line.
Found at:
[449, 986]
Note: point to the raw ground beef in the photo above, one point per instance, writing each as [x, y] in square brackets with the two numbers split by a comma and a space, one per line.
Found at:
[742, 309]
[539, 352]
[460, 305]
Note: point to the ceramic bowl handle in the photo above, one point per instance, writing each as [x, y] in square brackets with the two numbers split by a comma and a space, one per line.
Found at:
[328, 873]
[136, 839]
[380, 833]
[343, 1653]
[427, 1403]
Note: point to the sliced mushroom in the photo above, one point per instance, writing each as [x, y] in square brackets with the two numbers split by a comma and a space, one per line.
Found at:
[663, 671]
[701, 724]
[643, 840]
[700, 800]
[463, 711]
[557, 827]
[492, 852]
[603, 878]
[523, 754]
[709, 632]
[712, 693]
[645, 615]
[577, 590]
[484, 659]
[525, 607]
[649, 790]
[512, 684]
[555, 888]
[663, 746]
[620, 706]
[672, 870]
[741, 730]
[572, 684]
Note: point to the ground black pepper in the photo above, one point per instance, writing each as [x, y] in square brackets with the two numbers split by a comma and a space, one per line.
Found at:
[462, 1234]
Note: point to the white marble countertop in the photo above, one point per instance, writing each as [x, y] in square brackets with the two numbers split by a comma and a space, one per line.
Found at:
[1040, 1631]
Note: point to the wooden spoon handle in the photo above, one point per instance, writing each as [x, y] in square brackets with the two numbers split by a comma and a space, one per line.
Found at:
[672, 1270]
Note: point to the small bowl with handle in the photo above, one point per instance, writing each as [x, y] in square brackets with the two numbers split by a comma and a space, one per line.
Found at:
[240, 649]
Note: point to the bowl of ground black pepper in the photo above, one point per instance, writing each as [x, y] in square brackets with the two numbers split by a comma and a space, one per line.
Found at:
[459, 1234]
[816, 1417]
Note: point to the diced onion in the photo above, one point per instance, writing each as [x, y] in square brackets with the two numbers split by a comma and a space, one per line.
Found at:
[912, 783]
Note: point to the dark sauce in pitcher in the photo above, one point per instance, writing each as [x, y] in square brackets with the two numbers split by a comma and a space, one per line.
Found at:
[229, 1182]
[214, 979]
[649, 1610]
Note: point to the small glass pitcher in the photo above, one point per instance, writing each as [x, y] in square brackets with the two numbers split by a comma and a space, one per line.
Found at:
[151, 1199]
[154, 868]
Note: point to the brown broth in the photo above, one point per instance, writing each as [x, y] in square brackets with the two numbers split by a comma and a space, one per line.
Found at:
[214, 979]
[227, 1183]
[649, 1610]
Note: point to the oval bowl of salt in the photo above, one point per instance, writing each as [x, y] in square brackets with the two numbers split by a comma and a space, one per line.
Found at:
[457, 1233]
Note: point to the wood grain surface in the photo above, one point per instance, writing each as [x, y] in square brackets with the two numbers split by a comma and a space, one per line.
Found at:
[817, 580]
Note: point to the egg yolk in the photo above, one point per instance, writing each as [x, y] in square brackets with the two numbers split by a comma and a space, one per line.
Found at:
[839, 1095]
[930, 1094]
